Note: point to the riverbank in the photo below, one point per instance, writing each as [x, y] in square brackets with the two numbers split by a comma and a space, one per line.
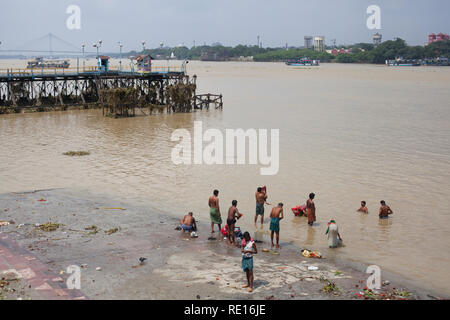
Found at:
[106, 238]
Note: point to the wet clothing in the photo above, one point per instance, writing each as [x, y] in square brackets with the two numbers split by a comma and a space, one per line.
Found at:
[259, 208]
[333, 239]
[247, 258]
[230, 222]
[247, 263]
[311, 216]
[275, 224]
[187, 228]
[215, 216]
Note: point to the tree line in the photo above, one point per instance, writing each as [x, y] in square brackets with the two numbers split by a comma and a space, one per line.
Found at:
[361, 52]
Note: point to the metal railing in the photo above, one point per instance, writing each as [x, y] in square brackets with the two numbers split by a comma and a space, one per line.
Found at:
[14, 72]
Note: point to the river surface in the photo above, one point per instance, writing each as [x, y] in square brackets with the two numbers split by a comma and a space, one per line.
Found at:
[347, 133]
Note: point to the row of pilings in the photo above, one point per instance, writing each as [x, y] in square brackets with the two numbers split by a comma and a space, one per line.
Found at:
[117, 94]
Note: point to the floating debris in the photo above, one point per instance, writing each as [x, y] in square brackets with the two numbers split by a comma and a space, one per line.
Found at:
[111, 231]
[76, 153]
[93, 229]
[115, 208]
[4, 223]
[49, 226]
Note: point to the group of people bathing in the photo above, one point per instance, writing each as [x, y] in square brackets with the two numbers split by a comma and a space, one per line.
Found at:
[248, 246]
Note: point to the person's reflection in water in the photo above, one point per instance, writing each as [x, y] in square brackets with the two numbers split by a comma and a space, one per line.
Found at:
[385, 228]
[310, 232]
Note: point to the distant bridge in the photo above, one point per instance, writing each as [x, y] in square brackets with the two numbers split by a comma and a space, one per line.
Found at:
[49, 44]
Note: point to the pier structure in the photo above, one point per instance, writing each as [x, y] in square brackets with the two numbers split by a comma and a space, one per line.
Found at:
[167, 89]
[61, 88]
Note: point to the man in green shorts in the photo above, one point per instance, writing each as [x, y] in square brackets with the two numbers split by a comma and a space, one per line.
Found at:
[275, 216]
[260, 200]
[214, 211]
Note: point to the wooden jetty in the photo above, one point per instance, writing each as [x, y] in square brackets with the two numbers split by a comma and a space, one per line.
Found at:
[39, 90]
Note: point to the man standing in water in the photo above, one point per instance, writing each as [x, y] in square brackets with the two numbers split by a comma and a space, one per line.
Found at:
[363, 208]
[385, 211]
[233, 216]
[261, 198]
[311, 209]
[214, 210]
[275, 216]
[248, 250]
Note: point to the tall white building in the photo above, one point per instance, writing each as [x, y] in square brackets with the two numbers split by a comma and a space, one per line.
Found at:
[319, 43]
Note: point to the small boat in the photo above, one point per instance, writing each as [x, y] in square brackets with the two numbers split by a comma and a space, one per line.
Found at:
[39, 62]
[400, 62]
[303, 62]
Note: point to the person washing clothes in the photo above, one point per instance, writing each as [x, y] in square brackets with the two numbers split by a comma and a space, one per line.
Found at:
[334, 238]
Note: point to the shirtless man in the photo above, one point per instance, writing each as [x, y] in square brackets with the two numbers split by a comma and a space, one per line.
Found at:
[233, 216]
[214, 210]
[275, 216]
[385, 211]
[261, 198]
[188, 223]
[363, 208]
[311, 209]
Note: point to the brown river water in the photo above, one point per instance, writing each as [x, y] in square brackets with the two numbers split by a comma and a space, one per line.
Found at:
[347, 133]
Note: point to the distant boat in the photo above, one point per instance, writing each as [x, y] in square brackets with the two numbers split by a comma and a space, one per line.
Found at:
[400, 62]
[39, 62]
[303, 62]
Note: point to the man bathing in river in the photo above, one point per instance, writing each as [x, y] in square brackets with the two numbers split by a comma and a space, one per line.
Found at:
[363, 208]
[385, 211]
[261, 198]
[248, 250]
[311, 209]
[233, 216]
[275, 216]
[188, 223]
[214, 210]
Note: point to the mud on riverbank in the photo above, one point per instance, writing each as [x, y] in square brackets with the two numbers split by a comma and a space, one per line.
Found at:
[106, 238]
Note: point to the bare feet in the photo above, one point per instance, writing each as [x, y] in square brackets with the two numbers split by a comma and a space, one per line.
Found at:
[245, 286]
[250, 290]
[278, 246]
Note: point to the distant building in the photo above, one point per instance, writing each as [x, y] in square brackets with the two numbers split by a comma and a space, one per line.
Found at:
[377, 39]
[437, 37]
[319, 43]
[336, 51]
[308, 42]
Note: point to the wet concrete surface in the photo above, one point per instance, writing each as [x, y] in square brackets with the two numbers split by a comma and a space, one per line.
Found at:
[177, 266]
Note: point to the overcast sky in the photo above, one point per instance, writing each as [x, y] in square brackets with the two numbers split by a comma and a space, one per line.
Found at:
[229, 22]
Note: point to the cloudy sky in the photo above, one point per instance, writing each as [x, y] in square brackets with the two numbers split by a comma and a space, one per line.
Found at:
[229, 22]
